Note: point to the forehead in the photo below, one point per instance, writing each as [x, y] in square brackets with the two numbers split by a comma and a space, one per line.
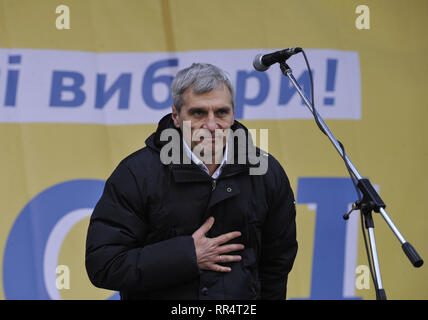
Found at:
[218, 97]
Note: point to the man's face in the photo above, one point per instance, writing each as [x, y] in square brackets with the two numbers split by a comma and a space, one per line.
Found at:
[207, 112]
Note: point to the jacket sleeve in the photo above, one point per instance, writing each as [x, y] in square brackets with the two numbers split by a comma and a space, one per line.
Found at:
[279, 244]
[116, 257]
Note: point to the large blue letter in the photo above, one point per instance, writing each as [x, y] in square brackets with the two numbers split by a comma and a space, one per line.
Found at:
[122, 84]
[149, 80]
[332, 197]
[241, 85]
[58, 87]
[287, 91]
[23, 261]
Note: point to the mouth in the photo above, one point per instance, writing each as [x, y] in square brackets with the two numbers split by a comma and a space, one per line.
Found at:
[212, 140]
[213, 143]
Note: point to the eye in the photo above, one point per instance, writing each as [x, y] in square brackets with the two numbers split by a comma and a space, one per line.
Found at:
[196, 112]
[222, 111]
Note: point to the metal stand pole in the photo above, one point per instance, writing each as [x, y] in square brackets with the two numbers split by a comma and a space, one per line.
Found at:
[380, 292]
[371, 200]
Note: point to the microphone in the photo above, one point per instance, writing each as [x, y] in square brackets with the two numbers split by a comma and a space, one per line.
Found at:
[262, 62]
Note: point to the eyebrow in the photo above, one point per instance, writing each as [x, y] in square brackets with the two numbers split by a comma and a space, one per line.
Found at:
[194, 109]
[223, 108]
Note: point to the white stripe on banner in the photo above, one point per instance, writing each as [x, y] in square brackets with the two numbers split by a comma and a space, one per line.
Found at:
[133, 88]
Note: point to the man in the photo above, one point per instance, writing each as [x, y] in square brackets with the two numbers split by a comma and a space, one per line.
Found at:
[200, 228]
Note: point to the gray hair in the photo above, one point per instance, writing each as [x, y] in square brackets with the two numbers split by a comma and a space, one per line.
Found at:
[202, 77]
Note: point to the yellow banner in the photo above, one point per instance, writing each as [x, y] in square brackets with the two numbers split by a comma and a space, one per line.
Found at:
[387, 144]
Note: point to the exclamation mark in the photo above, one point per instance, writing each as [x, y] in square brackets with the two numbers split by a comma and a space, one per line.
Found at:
[331, 80]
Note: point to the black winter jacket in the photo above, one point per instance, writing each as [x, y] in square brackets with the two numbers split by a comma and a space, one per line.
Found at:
[139, 238]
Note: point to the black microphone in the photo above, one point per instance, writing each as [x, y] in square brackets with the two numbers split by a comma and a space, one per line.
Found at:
[262, 62]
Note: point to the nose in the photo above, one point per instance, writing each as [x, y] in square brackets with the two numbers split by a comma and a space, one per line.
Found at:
[210, 122]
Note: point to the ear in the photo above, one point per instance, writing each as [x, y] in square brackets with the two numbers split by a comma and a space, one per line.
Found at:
[175, 116]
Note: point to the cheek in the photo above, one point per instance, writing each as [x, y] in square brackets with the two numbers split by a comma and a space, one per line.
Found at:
[198, 133]
[196, 126]
[226, 123]
[189, 125]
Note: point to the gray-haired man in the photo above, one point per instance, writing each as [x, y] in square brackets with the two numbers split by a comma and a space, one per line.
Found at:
[205, 228]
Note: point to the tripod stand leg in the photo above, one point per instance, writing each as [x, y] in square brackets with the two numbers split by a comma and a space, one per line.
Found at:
[369, 224]
[380, 292]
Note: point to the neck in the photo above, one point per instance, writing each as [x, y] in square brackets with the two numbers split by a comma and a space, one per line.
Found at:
[216, 160]
[212, 168]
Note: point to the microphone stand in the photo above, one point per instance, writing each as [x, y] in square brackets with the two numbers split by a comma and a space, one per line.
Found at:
[371, 200]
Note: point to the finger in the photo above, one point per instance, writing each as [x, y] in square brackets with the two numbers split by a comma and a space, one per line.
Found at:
[227, 237]
[228, 258]
[230, 248]
[205, 227]
[219, 268]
